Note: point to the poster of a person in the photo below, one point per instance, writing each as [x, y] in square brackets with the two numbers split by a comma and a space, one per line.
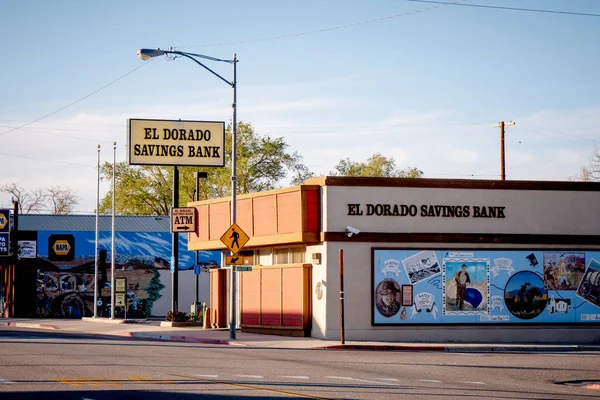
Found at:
[563, 271]
[462, 279]
[388, 298]
[466, 286]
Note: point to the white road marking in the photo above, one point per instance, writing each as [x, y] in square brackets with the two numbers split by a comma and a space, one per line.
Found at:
[294, 377]
[5, 381]
[571, 355]
[359, 380]
[388, 379]
[251, 376]
[472, 383]
[207, 376]
[470, 354]
[430, 380]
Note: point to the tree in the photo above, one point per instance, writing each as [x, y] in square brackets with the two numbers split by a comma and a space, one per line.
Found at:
[54, 199]
[301, 175]
[61, 200]
[262, 163]
[142, 190]
[376, 166]
[591, 172]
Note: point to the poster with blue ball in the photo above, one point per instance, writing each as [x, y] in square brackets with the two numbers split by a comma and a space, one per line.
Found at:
[484, 286]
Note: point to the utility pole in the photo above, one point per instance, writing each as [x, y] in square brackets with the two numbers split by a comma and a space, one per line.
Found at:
[197, 176]
[175, 249]
[502, 125]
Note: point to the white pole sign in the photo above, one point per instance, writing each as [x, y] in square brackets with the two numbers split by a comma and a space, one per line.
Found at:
[181, 143]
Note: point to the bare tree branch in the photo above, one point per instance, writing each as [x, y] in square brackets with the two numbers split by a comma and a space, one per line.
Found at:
[62, 201]
[590, 172]
[29, 202]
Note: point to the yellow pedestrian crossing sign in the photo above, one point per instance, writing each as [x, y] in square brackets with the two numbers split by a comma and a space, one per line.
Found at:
[235, 238]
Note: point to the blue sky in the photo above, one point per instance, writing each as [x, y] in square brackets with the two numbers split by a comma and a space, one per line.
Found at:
[337, 79]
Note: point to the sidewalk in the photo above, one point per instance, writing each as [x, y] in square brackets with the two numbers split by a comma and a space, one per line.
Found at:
[151, 330]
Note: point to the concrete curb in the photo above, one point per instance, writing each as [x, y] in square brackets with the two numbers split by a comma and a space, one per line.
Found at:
[104, 320]
[32, 326]
[466, 349]
[454, 348]
[521, 349]
[382, 347]
[177, 338]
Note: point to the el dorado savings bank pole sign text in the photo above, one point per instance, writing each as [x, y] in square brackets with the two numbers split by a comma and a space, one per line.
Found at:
[427, 210]
[181, 143]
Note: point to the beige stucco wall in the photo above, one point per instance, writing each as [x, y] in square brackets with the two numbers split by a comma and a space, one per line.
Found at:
[526, 211]
[357, 307]
[319, 306]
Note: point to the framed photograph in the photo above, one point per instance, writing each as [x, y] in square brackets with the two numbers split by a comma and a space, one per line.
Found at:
[421, 266]
[407, 295]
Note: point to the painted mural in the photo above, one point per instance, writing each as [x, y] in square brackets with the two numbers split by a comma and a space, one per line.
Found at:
[485, 286]
[65, 289]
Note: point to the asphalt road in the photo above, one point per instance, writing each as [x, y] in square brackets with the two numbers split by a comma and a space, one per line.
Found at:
[49, 365]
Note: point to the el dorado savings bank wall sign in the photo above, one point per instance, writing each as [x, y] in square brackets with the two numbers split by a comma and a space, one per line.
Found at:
[181, 143]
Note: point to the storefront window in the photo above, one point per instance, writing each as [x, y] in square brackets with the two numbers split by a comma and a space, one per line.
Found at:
[264, 256]
[297, 255]
[282, 256]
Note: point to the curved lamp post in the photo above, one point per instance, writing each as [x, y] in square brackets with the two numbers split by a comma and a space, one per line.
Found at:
[146, 54]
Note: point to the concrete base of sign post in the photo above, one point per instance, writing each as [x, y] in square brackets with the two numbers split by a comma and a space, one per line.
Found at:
[112, 321]
[171, 324]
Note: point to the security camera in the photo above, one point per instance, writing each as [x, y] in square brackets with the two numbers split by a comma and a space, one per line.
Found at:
[350, 230]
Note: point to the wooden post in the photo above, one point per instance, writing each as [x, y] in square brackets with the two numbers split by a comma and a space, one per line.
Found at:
[502, 165]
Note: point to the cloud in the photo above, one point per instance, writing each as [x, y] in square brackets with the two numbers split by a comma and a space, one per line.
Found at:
[545, 145]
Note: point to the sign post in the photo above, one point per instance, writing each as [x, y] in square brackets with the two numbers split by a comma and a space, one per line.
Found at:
[121, 294]
[235, 239]
[176, 143]
[234, 260]
[4, 232]
[183, 219]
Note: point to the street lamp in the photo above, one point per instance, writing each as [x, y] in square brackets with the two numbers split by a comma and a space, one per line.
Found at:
[146, 54]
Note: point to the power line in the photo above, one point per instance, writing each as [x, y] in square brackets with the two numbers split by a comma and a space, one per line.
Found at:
[62, 123]
[323, 30]
[509, 8]
[74, 102]
[352, 25]
[43, 159]
[63, 136]
[564, 134]
[577, 142]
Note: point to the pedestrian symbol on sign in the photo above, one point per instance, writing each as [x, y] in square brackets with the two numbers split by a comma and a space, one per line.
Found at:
[235, 236]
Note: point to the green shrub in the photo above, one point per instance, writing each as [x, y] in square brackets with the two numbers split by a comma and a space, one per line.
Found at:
[195, 317]
[178, 316]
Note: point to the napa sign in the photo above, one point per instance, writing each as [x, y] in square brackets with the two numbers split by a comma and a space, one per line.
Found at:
[176, 142]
